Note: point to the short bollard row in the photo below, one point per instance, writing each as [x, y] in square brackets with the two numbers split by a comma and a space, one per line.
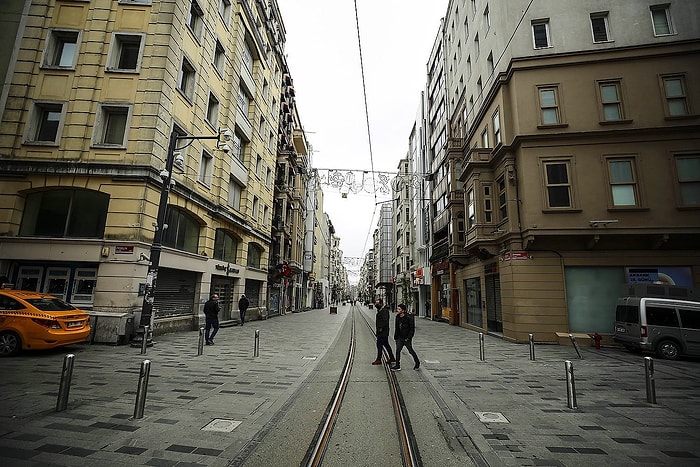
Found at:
[570, 380]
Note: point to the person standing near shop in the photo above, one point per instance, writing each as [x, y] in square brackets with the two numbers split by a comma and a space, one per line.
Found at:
[243, 307]
[382, 329]
[404, 330]
[211, 314]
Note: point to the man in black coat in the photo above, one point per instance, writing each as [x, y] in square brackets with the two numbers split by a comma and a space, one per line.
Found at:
[382, 328]
[242, 307]
[211, 314]
[404, 330]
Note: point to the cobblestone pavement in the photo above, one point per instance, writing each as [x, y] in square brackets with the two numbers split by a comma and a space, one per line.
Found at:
[204, 410]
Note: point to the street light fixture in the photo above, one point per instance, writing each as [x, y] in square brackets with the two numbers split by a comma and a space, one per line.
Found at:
[224, 134]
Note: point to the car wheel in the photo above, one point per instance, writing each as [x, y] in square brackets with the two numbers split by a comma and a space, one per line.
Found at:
[10, 343]
[668, 349]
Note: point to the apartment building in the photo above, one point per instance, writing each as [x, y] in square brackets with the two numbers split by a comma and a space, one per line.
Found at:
[402, 202]
[576, 129]
[133, 120]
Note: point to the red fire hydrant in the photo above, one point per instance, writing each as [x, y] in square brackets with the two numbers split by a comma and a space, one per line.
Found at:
[596, 339]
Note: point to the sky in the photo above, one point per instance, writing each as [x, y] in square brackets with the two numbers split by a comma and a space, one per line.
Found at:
[323, 55]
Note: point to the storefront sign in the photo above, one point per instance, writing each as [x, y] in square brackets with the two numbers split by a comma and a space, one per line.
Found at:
[228, 268]
[515, 255]
[441, 268]
[123, 250]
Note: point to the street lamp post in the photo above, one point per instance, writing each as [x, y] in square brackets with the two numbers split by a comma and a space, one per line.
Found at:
[224, 135]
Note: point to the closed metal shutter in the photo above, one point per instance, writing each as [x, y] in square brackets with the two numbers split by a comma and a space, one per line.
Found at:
[175, 293]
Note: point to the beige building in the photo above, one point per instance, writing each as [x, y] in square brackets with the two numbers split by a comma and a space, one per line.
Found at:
[96, 91]
[579, 149]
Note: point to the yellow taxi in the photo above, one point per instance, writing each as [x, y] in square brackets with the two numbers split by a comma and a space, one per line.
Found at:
[33, 320]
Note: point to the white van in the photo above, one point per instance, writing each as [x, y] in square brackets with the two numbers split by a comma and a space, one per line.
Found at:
[670, 328]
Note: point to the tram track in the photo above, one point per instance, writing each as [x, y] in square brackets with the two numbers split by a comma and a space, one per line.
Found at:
[410, 456]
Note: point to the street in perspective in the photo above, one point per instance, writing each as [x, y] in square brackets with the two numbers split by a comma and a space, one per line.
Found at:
[481, 401]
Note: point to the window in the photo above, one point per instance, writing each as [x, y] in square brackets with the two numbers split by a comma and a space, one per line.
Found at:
[255, 207]
[265, 214]
[487, 18]
[65, 213]
[540, 34]
[61, 48]
[557, 182]
[549, 106]
[661, 20]
[676, 98]
[195, 20]
[662, 316]
[213, 110]
[254, 255]
[502, 199]
[125, 52]
[234, 194]
[186, 81]
[219, 57]
[45, 123]
[268, 177]
[489, 63]
[488, 204]
[471, 211]
[688, 171]
[206, 164]
[258, 166]
[225, 246]
[238, 147]
[611, 101]
[248, 59]
[182, 232]
[111, 125]
[485, 138]
[623, 182]
[476, 46]
[599, 26]
[225, 10]
[496, 120]
[243, 102]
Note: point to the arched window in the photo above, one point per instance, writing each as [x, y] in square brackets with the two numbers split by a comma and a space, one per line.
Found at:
[182, 231]
[225, 246]
[65, 213]
[254, 255]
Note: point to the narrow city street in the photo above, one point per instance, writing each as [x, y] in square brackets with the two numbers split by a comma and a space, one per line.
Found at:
[228, 407]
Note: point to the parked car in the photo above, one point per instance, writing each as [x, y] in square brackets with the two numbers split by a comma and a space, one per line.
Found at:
[32, 320]
[669, 327]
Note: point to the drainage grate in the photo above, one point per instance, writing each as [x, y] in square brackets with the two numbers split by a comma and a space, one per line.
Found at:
[491, 417]
[308, 358]
[221, 424]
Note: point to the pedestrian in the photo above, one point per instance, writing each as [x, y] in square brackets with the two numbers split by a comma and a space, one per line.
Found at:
[382, 328]
[211, 314]
[404, 329]
[242, 307]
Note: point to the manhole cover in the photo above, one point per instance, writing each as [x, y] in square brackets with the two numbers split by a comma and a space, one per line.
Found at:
[491, 417]
[221, 424]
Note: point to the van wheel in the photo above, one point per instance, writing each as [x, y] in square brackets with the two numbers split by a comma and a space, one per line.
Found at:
[10, 343]
[668, 349]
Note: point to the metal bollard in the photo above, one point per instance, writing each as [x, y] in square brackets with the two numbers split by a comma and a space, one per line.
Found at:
[651, 385]
[531, 339]
[256, 346]
[142, 388]
[200, 345]
[64, 387]
[144, 342]
[570, 385]
[481, 346]
[573, 342]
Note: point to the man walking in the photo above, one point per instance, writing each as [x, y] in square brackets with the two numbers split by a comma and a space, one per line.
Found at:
[404, 330]
[211, 314]
[242, 307]
[382, 328]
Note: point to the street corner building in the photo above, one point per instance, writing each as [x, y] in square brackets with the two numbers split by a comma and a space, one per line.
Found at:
[150, 148]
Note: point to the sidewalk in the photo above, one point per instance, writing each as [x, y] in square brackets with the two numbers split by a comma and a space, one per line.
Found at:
[203, 410]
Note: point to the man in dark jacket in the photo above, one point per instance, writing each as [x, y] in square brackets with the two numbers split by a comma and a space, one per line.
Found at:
[242, 307]
[382, 328]
[211, 314]
[404, 330]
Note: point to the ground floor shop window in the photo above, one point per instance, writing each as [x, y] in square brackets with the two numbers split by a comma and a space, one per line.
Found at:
[591, 295]
[472, 288]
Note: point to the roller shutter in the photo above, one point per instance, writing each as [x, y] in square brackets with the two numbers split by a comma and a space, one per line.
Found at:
[175, 293]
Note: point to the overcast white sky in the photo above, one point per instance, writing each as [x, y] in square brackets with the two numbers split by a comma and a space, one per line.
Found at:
[324, 61]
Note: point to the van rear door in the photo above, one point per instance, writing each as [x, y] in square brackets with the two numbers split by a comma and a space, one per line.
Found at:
[690, 323]
[627, 325]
